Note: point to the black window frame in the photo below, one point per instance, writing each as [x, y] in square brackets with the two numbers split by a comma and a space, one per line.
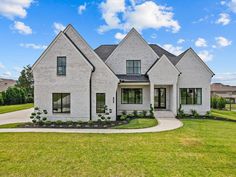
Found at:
[187, 97]
[62, 65]
[129, 90]
[62, 105]
[100, 107]
[133, 67]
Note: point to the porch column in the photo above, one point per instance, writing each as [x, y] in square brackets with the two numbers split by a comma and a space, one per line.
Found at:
[175, 99]
[152, 94]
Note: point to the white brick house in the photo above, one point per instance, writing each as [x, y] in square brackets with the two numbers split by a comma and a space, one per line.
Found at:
[74, 82]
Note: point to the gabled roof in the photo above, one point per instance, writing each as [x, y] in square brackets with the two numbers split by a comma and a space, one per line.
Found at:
[70, 41]
[104, 51]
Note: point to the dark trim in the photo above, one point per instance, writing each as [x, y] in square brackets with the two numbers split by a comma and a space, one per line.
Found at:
[80, 51]
[134, 97]
[152, 65]
[116, 106]
[61, 104]
[159, 98]
[194, 96]
[133, 67]
[90, 97]
[58, 65]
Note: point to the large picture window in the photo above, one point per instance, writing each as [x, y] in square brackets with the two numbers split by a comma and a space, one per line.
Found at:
[131, 96]
[61, 66]
[100, 102]
[61, 102]
[190, 96]
[133, 67]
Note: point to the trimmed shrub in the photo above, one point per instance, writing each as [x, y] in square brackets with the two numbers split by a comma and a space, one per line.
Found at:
[221, 103]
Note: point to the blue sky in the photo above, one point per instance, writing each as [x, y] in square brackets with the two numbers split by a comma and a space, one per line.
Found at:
[209, 27]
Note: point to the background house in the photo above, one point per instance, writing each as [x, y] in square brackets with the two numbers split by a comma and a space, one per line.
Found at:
[5, 83]
[225, 91]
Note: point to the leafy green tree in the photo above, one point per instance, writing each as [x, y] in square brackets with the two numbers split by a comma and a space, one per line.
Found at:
[26, 81]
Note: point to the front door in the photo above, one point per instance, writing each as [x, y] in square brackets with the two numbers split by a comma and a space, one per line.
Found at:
[160, 98]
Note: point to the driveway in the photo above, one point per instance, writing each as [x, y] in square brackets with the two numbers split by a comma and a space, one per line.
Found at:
[164, 124]
[17, 116]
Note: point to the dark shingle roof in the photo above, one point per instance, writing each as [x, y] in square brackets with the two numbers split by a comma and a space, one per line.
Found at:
[104, 51]
[133, 78]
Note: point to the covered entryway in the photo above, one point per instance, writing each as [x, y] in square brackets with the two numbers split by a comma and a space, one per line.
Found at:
[160, 98]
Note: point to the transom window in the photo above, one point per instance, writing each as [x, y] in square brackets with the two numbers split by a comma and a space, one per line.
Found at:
[190, 96]
[133, 66]
[61, 102]
[61, 66]
[131, 96]
[100, 102]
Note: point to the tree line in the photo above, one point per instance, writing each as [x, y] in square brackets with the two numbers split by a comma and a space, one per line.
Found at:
[22, 92]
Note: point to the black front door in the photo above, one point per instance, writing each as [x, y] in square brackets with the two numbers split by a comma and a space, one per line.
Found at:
[160, 98]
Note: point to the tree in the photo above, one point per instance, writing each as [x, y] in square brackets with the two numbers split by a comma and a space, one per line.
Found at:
[26, 81]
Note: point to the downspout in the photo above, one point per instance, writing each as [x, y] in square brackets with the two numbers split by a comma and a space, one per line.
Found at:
[90, 97]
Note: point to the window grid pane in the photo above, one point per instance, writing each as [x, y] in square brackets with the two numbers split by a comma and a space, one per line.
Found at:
[133, 67]
[100, 102]
[131, 96]
[191, 96]
[61, 102]
[61, 66]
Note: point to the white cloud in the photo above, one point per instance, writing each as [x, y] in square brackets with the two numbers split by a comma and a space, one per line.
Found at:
[180, 41]
[82, 8]
[119, 36]
[17, 69]
[232, 5]
[58, 27]
[176, 50]
[14, 8]
[22, 28]
[1, 66]
[142, 15]
[205, 55]
[222, 2]
[223, 19]
[33, 46]
[201, 42]
[6, 74]
[227, 78]
[222, 41]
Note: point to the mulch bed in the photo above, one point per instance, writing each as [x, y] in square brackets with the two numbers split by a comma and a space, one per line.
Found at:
[84, 125]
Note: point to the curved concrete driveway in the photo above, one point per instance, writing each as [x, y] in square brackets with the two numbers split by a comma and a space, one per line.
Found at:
[17, 116]
[164, 125]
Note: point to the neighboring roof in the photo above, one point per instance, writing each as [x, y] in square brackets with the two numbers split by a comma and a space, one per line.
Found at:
[133, 78]
[5, 83]
[218, 87]
[104, 51]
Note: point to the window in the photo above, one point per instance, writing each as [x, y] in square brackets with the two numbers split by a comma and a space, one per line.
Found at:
[61, 102]
[133, 67]
[61, 66]
[131, 96]
[191, 96]
[100, 102]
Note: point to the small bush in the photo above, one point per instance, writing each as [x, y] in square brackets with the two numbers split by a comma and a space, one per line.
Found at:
[90, 122]
[180, 113]
[48, 122]
[58, 122]
[221, 103]
[208, 114]
[135, 112]
[144, 113]
[30, 99]
[151, 113]
[69, 122]
[194, 113]
[124, 112]
[123, 117]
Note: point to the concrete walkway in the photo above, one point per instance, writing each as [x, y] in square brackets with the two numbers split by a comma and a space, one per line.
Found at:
[17, 116]
[164, 124]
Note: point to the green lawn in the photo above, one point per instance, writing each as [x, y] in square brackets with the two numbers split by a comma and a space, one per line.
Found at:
[233, 106]
[138, 123]
[200, 148]
[12, 125]
[12, 108]
[224, 114]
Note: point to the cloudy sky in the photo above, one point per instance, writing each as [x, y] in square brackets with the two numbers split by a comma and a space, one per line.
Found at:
[208, 26]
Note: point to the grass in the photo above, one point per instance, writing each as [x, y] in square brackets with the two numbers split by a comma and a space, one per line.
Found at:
[224, 114]
[200, 148]
[12, 125]
[138, 123]
[12, 108]
[233, 106]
